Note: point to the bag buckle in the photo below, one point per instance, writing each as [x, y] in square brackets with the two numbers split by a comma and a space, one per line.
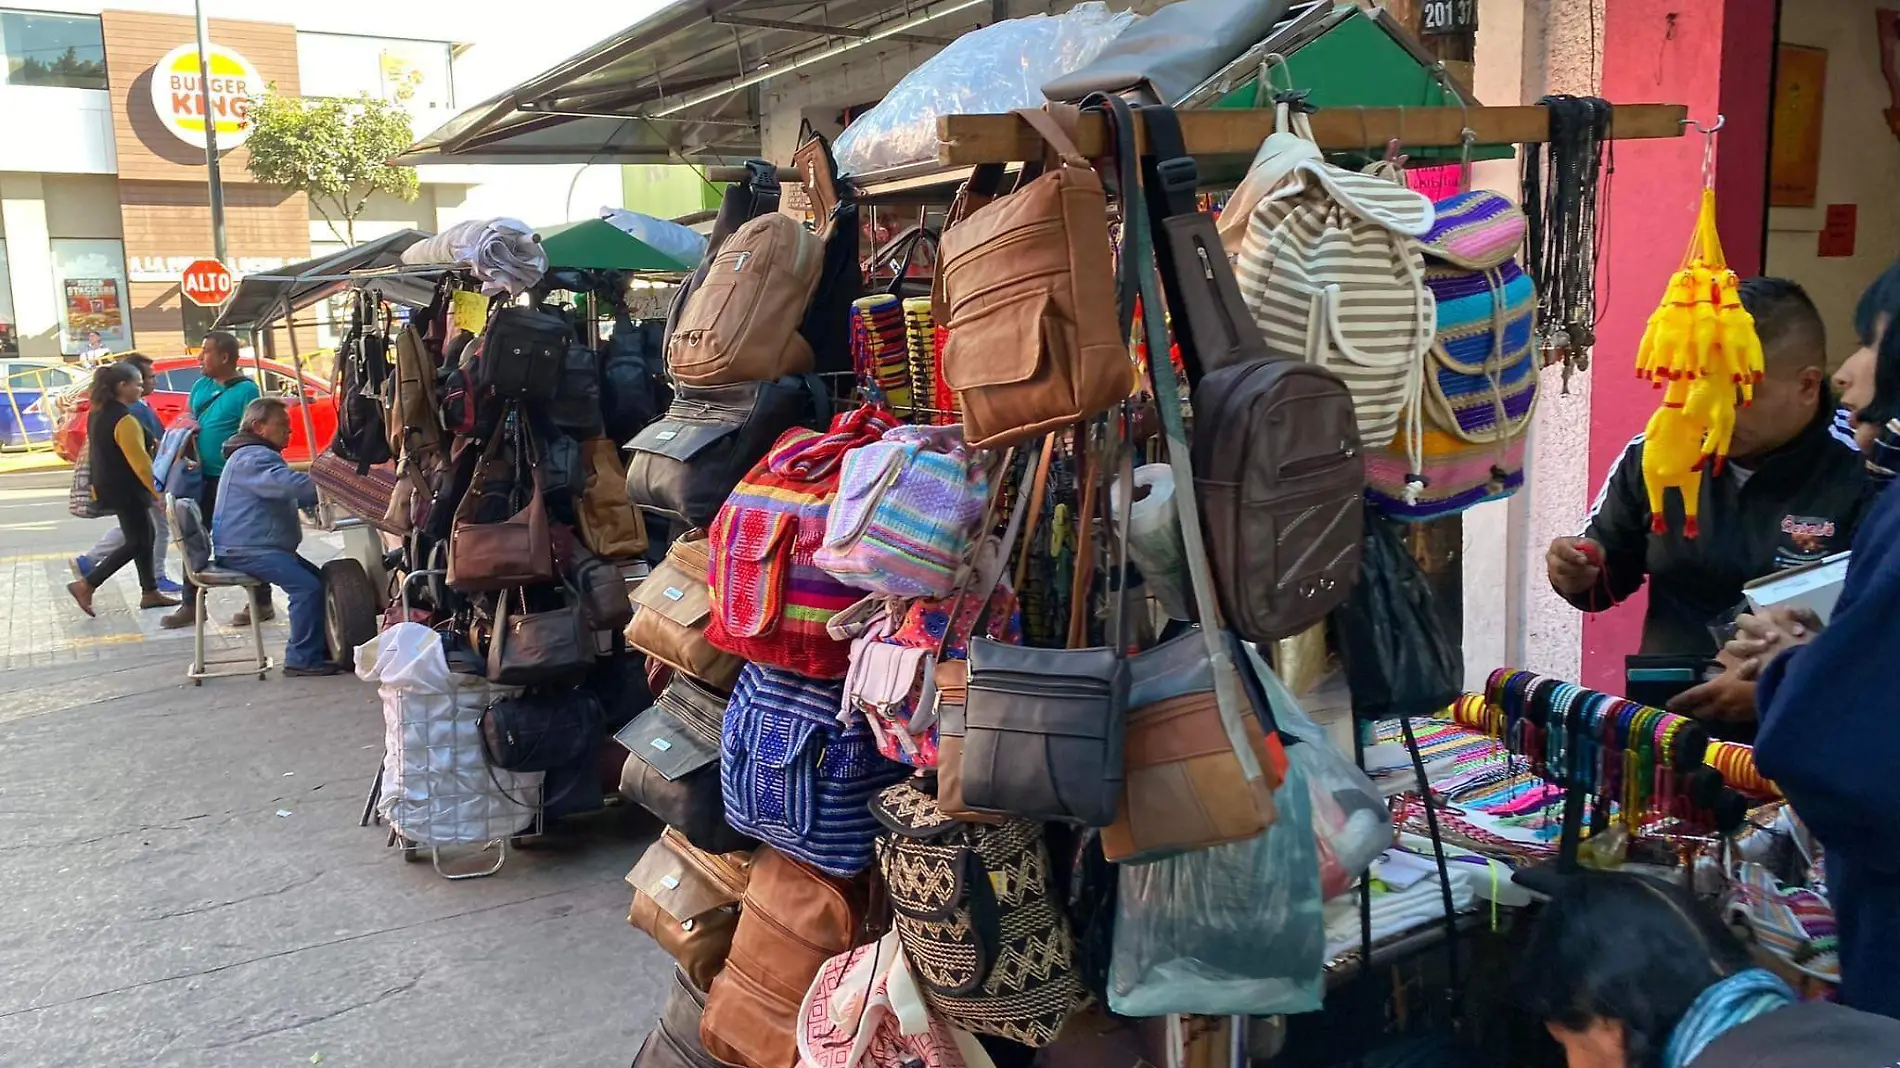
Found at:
[1179, 175]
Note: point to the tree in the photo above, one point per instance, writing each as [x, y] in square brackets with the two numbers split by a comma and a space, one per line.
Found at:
[336, 151]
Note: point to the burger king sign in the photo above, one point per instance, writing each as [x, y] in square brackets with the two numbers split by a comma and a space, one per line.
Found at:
[180, 105]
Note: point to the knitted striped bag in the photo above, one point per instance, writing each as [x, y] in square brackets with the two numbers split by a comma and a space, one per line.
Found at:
[906, 512]
[1331, 274]
[771, 602]
[793, 777]
[1466, 443]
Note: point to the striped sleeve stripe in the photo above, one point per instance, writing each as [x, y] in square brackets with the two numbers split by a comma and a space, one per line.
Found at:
[1603, 491]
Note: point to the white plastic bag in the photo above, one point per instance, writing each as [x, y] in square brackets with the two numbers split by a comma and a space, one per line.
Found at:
[988, 71]
[437, 786]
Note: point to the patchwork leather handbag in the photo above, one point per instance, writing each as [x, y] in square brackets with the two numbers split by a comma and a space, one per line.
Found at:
[672, 768]
[976, 912]
[906, 512]
[688, 902]
[1027, 281]
[671, 610]
[794, 777]
[684, 464]
[771, 602]
[791, 920]
[674, 1041]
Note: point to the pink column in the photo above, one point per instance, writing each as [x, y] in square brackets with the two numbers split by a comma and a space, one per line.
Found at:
[1714, 57]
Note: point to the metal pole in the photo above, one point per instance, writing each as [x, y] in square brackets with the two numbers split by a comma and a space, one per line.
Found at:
[211, 136]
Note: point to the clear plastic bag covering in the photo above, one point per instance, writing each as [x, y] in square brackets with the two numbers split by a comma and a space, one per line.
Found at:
[1351, 823]
[663, 235]
[1236, 929]
[991, 70]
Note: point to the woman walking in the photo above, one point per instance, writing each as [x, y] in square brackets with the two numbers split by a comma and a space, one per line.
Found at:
[121, 457]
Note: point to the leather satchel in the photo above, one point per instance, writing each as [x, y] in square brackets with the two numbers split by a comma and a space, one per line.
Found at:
[671, 609]
[791, 920]
[1027, 280]
[531, 647]
[674, 1041]
[1184, 788]
[603, 591]
[608, 524]
[497, 556]
[688, 902]
[685, 463]
[523, 352]
[673, 767]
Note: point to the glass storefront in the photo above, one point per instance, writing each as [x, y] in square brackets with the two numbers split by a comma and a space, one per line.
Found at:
[89, 277]
[37, 48]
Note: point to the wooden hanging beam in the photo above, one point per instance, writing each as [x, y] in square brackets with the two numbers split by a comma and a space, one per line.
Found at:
[967, 140]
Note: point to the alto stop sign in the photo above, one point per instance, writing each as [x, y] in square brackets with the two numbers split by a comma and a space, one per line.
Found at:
[206, 283]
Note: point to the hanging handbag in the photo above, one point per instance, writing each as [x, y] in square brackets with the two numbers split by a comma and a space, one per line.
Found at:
[976, 911]
[1184, 790]
[905, 514]
[1398, 659]
[834, 214]
[741, 324]
[79, 500]
[607, 522]
[791, 920]
[541, 730]
[514, 552]
[671, 609]
[603, 591]
[771, 603]
[1026, 280]
[674, 1041]
[683, 465]
[794, 777]
[530, 647]
[523, 353]
[688, 902]
[673, 767]
[866, 1010]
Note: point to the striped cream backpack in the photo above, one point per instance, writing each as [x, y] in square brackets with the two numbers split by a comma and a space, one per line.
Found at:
[1328, 266]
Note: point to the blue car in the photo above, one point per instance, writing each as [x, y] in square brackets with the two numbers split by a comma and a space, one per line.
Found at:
[24, 421]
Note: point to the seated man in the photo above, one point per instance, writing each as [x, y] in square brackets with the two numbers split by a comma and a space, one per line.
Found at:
[256, 530]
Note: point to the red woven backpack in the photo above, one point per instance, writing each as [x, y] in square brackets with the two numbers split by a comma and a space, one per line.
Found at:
[770, 602]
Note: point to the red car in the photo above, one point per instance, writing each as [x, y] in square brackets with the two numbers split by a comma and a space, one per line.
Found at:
[177, 374]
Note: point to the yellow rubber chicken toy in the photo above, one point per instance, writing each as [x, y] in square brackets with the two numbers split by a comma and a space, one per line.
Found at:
[1700, 347]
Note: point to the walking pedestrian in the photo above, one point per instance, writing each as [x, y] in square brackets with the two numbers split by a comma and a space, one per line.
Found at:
[122, 484]
[82, 564]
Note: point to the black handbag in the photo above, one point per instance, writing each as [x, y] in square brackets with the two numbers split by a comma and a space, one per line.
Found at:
[673, 769]
[603, 591]
[541, 730]
[531, 647]
[576, 406]
[524, 351]
[1398, 658]
[684, 464]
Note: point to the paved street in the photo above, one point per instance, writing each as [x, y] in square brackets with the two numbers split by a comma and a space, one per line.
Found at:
[183, 881]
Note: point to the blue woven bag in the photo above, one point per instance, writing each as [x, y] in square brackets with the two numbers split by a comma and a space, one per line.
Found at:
[794, 777]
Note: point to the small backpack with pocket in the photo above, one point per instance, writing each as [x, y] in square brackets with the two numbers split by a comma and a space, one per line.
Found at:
[741, 324]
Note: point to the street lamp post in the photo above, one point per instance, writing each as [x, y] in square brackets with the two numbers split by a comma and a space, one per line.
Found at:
[211, 136]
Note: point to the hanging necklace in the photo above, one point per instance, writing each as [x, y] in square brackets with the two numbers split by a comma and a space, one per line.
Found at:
[1561, 183]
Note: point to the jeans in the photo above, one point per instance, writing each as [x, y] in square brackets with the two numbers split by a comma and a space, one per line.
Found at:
[299, 578]
[208, 509]
[161, 538]
[135, 522]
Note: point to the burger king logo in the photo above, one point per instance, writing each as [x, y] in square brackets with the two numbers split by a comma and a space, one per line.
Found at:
[181, 106]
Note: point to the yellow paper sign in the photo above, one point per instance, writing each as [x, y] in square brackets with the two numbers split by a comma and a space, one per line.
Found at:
[469, 311]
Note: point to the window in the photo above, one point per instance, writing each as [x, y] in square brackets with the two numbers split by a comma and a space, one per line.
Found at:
[62, 50]
[89, 276]
[178, 380]
[9, 335]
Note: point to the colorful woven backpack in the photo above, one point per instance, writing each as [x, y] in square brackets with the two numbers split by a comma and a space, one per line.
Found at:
[771, 602]
[796, 779]
[906, 511]
[1480, 380]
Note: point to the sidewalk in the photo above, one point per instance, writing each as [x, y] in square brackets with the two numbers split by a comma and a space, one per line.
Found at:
[14, 463]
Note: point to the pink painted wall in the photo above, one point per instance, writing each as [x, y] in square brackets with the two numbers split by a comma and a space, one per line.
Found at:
[1715, 56]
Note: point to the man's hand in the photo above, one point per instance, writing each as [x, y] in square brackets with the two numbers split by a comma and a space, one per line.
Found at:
[1760, 638]
[1728, 698]
[1575, 565]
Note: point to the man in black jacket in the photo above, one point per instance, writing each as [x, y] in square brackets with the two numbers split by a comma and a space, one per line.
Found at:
[1791, 494]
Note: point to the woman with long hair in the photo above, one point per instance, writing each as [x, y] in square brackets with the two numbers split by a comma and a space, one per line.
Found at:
[1629, 972]
[119, 452]
[1869, 381]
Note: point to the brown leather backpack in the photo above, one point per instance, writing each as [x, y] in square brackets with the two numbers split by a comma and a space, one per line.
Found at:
[741, 324]
[1028, 291]
[791, 920]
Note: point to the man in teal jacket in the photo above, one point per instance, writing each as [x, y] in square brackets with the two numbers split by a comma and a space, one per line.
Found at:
[217, 403]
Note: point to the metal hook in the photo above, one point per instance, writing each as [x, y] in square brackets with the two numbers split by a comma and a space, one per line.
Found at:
[1707, 131]
[1708, 146]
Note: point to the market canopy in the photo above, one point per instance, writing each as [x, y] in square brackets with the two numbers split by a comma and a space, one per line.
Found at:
[596, 244]
[263, 298]
[670, 88]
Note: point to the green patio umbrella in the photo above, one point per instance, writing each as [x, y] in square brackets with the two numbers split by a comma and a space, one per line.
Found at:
[598, 244]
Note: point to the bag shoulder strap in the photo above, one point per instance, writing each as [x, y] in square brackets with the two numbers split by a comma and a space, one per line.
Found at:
[1057, 123]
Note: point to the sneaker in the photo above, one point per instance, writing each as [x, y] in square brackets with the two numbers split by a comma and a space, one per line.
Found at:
[243, 617]
[80, 565]
[83, 594]
[185, 616]
[315, 671]
[169, 588]
[156, 599]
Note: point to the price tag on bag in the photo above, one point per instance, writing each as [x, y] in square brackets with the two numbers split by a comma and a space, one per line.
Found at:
[468, 311]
